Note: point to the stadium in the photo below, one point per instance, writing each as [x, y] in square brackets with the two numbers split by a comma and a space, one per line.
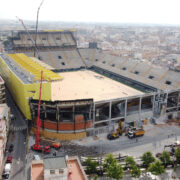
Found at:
[85, 91]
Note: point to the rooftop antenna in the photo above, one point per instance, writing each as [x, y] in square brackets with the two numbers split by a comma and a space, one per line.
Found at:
[37, 26]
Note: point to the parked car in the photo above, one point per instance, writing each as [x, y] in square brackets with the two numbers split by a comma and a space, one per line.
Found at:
[7, 168]
[5, 175]
[36, 157]
[11, 148]
[9, 159]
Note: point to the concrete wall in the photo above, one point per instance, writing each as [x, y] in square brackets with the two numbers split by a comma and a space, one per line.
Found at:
[61, 136]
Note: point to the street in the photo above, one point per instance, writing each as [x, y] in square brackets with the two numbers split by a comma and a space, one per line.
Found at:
[18, 139]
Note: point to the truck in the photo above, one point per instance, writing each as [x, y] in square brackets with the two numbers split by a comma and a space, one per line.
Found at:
[43, 149]
[132, 133]
[37, 147]
[56, 145]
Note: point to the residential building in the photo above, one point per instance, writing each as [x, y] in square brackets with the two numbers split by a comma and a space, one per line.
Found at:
[4, 128]
[57, 168]
[2, 91]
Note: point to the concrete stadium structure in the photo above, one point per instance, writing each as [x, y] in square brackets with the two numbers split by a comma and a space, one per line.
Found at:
[85, 91]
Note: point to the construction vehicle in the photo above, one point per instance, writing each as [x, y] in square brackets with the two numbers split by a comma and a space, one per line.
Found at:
[116, 134]
[56, 145]
[37, 146]
[132, 133]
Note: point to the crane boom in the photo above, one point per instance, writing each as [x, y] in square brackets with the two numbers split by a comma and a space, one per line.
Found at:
[38, 121]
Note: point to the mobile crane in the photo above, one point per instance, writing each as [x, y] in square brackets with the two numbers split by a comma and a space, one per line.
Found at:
[37, 146]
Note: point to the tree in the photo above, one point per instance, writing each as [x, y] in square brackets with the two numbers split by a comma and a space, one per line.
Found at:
[115, 171]
[165, 158]
[112, 168]
[108, 161]
[156, 168]
[135, 171]
[130, 162]
[91, 166]
[177, 154]
[147, 159]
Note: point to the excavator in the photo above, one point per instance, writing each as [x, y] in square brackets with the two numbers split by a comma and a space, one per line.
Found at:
[37, 146]
[117, 133]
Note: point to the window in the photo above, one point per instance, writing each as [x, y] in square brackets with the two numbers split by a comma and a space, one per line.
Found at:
[61, 171]
[168, 82]
[63, 63]
[151, 77]
[113, 65]
[57, 38]
[52, 171]
[104, 62]
[136, 72]
[59, 57]
[44, 39]
[29, 39]
[124, 68]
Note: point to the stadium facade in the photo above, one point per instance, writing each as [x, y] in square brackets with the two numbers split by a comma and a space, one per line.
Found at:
[85, 91]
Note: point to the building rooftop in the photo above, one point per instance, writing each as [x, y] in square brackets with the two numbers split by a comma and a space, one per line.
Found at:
[87, 84]
[76, 169]
[3, 110]
[73, 166]
[34, 68]
[37, 168]
[55, 162]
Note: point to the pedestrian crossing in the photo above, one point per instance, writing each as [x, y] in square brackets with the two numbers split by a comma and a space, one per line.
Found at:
[19, 128]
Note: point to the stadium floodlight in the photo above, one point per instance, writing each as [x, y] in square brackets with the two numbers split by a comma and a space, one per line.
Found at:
[37, 26]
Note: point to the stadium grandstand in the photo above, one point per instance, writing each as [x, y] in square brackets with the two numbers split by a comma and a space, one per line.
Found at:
[85, 91]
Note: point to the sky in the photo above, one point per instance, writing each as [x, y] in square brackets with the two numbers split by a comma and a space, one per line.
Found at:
[114, 11]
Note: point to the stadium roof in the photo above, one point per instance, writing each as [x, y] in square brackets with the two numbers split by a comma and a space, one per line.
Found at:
[34, 68]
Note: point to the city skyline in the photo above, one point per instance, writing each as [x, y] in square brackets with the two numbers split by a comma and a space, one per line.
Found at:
[137, 11]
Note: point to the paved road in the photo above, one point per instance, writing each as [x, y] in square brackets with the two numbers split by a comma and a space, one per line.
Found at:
[18, 139]
[154, 139]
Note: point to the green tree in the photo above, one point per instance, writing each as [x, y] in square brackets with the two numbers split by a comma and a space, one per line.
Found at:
[156, 168]
[147, 159]
[91, 166]
[115, 171]
[165, 158]
[108, 161]
[112, 168]
[130, 161]
[177, 154]
[135, 171]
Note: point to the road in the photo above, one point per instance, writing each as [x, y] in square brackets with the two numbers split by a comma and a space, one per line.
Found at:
[154, 140]
[18, 139]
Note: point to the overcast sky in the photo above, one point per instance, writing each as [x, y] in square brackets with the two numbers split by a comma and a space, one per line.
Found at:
[122, 11]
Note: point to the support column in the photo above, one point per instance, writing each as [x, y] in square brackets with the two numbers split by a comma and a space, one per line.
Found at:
[57, 118]
[153, 103]
[94, 116]
[73, 117]
[125, 110]
[90, 112]
[140, 106]
[178, 103]
[110, 107]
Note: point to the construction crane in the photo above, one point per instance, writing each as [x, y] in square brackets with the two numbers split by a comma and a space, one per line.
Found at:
[37, 146]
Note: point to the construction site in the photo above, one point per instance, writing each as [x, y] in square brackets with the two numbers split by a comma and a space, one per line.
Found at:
[85, 92]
